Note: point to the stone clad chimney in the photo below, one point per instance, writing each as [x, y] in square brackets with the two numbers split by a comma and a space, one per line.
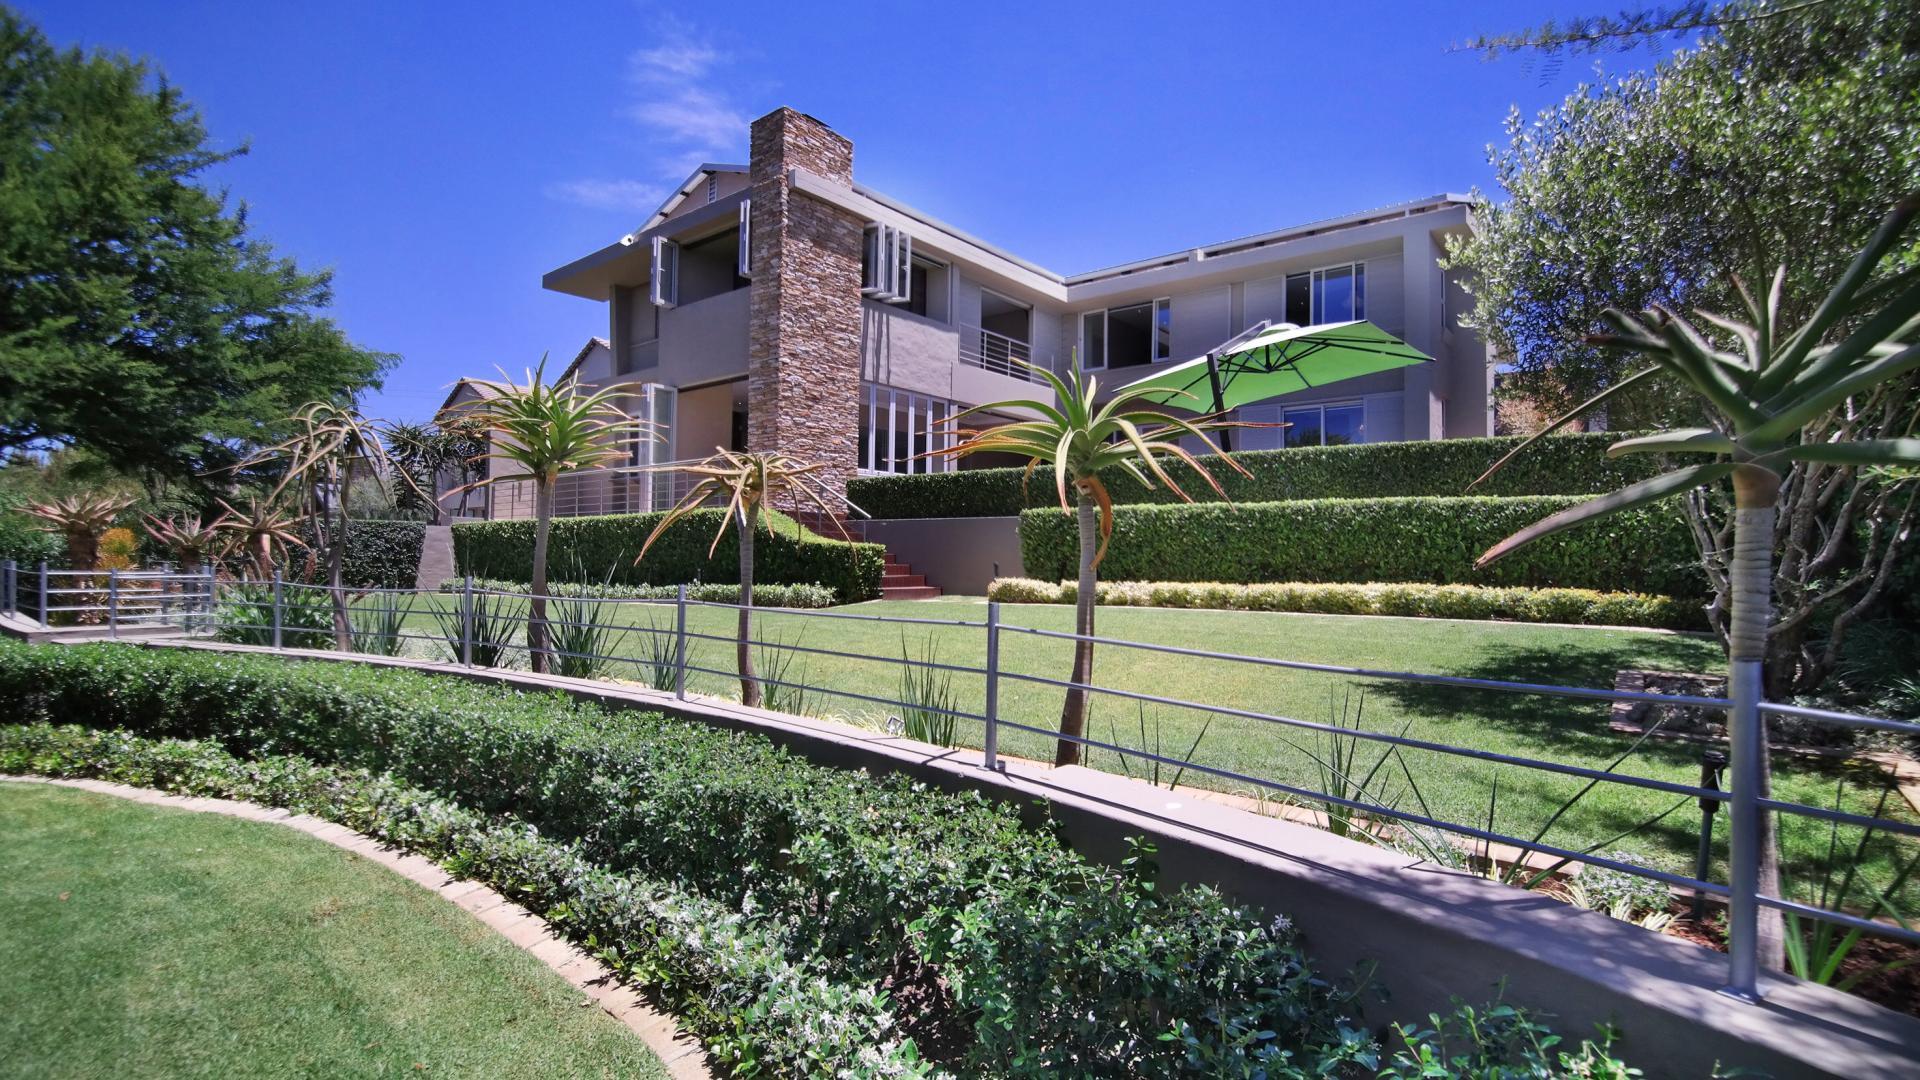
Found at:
[803, 348]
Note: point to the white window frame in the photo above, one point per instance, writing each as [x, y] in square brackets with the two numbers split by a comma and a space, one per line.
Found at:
[1157, 305]
[1316, 278]
[887, 264]
[743, 258]
[923, 414]
[1321, 407]
[664, 289]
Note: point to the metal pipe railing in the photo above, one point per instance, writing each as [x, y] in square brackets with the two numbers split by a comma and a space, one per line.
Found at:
[1742, 796]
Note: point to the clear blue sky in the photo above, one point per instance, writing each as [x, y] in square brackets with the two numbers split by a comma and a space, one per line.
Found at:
[441, 157]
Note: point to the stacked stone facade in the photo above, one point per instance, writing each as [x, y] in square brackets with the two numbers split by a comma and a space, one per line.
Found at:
[803, 348]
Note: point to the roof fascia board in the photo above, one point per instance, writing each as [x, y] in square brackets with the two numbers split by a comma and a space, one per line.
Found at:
[1013, 272]
[1394, 211]
[723, 210]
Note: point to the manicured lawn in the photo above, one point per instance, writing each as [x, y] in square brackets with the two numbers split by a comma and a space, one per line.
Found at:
[1454, 788]
[153, 942]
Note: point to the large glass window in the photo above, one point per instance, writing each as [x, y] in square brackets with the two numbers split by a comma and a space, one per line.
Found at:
[1342, 424]
[1329, 295]
[898, 427]
[1127, 336]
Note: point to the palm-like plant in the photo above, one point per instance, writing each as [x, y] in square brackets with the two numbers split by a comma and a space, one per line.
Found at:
[747, 484]
[541, 430]
[1078, 438]
[80, 520]
[265, 526]
[186, 539]
[1767, 397]
[332, 449]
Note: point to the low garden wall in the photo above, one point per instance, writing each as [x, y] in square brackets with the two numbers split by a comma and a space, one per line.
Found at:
[588, 549]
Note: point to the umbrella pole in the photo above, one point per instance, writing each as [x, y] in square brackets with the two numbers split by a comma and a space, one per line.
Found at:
[1219, 400]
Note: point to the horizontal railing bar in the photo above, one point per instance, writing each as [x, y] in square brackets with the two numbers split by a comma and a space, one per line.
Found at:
[815, 613]
[1461, 681]
[957, 714]
[1401, 815]
[1628, 779]
[1904, 828]
[906, 661]
[1869, 926]
[1875, 723]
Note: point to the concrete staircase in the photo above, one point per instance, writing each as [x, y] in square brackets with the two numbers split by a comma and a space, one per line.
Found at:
[436, 558]
[899, 582]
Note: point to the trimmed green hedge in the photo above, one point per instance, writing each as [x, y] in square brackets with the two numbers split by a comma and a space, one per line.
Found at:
[1515, 603]
[380, 554]
[1054, 965]
[1562, 465]
[1649, 549]
[593, 546]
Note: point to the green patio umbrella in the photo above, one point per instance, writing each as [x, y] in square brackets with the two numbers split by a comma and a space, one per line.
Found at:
[1269, 361]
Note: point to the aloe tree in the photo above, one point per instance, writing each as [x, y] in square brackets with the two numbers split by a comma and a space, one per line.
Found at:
[80, 520]
[1768, 388]
[1078, 437]
[746, 484]
[186, 538]
[266, 525]
[332, 449]
[539, 431]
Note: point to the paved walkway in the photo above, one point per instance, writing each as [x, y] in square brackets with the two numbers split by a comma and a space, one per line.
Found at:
[436, 558]
[679, 1051]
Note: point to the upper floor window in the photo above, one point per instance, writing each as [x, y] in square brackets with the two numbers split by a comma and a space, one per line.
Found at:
[1340, 424]
[1328, 295]
[886, 264]
[1127, 336]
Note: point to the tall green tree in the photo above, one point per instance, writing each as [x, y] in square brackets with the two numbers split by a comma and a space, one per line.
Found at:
[139, 317]
[1788, 127]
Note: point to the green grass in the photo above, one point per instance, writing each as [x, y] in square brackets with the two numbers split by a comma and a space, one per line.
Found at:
[1560, 730]
[155, 942]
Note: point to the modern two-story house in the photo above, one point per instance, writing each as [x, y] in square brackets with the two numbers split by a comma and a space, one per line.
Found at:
[781, 304]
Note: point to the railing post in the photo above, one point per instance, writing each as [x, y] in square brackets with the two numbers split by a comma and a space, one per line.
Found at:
[1747, 750]
[213, 584]
[11, 600]
[113, 602]
[991, 757]
[278, 617]
[680, 643]
[46, 617]
[466, 620]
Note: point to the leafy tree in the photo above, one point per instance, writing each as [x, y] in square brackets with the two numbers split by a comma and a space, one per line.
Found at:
[425, 452]
[1774, 398]
[1076, 438]
[1788, 128]
[747, 483]
[138, 315]
[541, 430]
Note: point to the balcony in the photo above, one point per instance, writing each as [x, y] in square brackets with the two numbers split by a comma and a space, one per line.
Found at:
[997, 353]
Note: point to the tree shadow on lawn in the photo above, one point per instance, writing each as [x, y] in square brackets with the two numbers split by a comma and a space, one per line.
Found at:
[1562, 728]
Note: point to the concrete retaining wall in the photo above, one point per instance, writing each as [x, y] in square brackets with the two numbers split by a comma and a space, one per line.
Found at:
[957, 554]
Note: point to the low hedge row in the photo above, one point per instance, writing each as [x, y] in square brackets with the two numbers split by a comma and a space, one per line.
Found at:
[772, 596]
[1514, 603]
[1050, 964]
[726, 978]
[1431, 540]
[1563, 465]
[589, 548]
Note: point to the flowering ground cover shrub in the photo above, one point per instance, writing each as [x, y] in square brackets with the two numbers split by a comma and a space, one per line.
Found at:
[1516, 603]
[780, 897]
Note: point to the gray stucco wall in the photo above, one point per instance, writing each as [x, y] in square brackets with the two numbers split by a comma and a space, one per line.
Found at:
[957, 554]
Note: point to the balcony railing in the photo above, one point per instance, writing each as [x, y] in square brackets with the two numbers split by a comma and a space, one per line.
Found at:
[601, 491]
[989, 351]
